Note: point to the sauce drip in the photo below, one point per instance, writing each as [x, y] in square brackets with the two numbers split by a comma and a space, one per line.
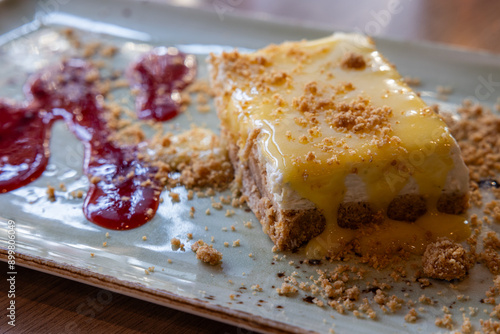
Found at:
[160, 76]
[23, 153]
[123, 193]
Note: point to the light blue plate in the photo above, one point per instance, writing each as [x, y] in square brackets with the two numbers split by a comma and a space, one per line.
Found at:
[56, 238]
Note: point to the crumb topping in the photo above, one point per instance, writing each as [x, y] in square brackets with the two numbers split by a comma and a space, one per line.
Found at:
[353, 61]
[446, 260]
[206, 253]
[51, 193]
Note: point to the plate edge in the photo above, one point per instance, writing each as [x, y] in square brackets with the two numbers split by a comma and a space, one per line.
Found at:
[157, 296]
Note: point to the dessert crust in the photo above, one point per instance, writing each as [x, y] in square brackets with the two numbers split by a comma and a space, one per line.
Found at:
[288, 229]
[453, 203]
[407, 207]
[353, 215]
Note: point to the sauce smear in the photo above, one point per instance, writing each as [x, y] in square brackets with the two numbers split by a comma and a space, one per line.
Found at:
[23, 156]
[160, 76]
[123, 193]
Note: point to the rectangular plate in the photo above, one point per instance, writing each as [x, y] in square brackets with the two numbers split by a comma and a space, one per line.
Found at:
[56, 238]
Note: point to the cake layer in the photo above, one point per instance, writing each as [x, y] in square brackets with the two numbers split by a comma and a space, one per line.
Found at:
[329, 127]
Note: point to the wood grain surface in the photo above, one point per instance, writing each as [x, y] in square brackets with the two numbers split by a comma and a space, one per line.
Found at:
[48, 304]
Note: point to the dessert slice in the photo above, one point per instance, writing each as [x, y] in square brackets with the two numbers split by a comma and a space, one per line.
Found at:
[329, 143]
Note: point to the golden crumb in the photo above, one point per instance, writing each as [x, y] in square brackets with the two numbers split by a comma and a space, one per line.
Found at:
[491, 259]
[360, 116]
[310, 156]
[248, 224]
[217, 205]
[318, 302]
[256, 287]
[466, 325]
[225, 200]
[226, 244]
[477, 134]
[197, 154]
[425, 300]
[175, 242]
[107, 235]
[445, 259]
[235, 203]
[95, 179]
[353, 61]
[197, 244]
[62, 186]
[51, 193]
[445, 322]
[169, 260]
[92, 254]
[208, 254]
[175, 197]
[104, 244]
[236, 243]
[207, 212]
[286, 289]
[411, 316]
[144, 238]
[490, 326]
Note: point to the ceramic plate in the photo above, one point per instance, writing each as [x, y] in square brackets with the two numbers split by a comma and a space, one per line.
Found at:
[55, 237]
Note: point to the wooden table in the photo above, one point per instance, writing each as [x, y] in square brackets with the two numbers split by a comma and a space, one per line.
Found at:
[48, 304]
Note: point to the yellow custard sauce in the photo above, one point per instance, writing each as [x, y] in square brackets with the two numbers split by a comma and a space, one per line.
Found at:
[333, 107]
[391, 236]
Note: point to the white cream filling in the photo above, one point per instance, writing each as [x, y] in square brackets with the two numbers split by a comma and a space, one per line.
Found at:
[457, 179]
[283, 195]
[288, 199]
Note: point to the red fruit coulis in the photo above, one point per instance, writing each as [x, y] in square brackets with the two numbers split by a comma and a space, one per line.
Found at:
[160, 76]
[123, 193]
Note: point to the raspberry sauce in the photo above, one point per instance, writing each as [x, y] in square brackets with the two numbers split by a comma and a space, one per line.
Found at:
[160, 76]
[123, 192]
